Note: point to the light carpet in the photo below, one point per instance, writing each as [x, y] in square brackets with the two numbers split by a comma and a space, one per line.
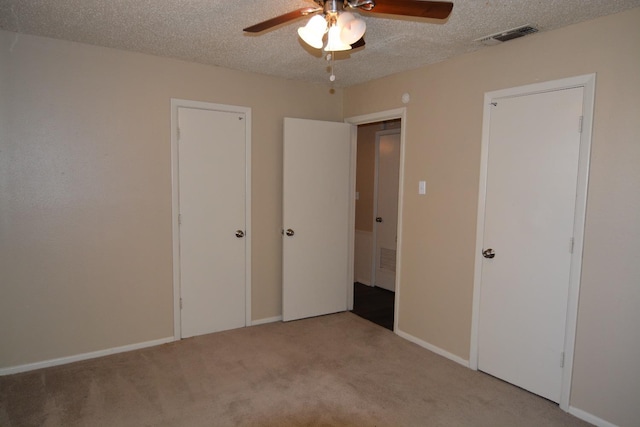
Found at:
[336, 370]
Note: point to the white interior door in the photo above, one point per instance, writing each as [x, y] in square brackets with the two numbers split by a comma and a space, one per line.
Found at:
[528, 233]
[386, 208]
[316, 217]
[212, 168]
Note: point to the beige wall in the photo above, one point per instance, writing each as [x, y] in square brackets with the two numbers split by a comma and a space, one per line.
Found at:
[444, 123]
[85, 190]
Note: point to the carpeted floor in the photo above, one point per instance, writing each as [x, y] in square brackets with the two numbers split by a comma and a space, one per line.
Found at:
[337, 370]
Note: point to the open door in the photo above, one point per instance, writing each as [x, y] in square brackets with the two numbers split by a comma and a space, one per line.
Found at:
[317, 215]
[385, 224]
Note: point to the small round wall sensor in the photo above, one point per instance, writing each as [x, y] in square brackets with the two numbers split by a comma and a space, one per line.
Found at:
[405, 98]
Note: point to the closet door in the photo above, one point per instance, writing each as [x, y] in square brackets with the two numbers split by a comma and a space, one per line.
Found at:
[532, 174]
[212, 241]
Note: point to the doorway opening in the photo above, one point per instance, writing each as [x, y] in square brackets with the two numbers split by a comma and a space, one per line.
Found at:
[376, 220]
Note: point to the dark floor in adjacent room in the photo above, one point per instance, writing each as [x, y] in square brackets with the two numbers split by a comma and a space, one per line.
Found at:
[374, 304]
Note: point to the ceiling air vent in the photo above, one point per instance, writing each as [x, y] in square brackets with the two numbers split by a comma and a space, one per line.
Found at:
[507, 35]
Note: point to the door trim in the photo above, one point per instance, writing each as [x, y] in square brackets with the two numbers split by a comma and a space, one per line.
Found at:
[175, 104]
[375, 201]
[398, 113]
[587, 82]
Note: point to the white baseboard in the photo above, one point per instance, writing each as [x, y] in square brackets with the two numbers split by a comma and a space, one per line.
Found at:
[83, 356]
[266, 320]
[363, 281]
[433, 348]
[585, 416]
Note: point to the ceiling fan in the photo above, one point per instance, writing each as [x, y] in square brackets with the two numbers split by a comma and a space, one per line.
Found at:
[343, 29]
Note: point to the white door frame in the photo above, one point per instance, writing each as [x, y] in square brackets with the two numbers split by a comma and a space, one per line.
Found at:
[375, 202]
[175, 104]
[399, 113]
[588, 83]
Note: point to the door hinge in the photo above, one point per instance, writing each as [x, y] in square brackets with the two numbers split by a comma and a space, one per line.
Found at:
[562, 359]
[571, 244]
[180, 303]
[179, 219]
[580, 121]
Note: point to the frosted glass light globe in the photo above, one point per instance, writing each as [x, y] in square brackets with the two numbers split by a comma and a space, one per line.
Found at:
[313, 32]
[352, 28]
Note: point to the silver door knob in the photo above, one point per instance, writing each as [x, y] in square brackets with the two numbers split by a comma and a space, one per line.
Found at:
[289, 232]
[239, 234]
[488, 253]
[379, 219]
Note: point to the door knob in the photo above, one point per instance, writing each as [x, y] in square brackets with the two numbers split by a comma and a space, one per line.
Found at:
[239, 234]
[289, 232]
[379, 219]
[488, 253]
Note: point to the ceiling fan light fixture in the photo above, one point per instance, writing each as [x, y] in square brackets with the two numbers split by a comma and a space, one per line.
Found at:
[334, 42]
[313, 32]
[352, 28]
[345, 30]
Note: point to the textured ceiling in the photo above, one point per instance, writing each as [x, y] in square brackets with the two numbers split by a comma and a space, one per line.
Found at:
[210, 31]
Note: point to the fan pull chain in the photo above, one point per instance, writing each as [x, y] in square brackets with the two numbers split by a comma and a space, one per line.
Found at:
[332, 77]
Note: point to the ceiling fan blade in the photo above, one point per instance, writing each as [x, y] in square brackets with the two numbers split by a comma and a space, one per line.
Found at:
[269, 23]
[418, 8]
[358, 44]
